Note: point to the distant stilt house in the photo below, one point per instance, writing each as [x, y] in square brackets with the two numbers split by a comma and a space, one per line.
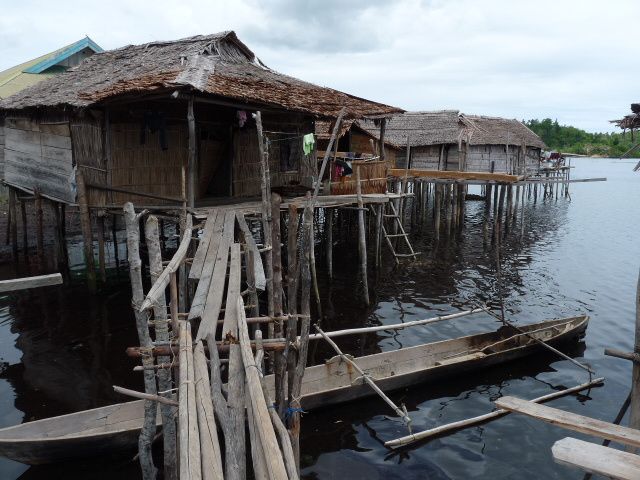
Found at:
[165, 122]
[450, 140]
[15, 79]
[356, 147]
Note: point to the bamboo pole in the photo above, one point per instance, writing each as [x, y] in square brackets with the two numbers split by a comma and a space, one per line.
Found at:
[274, 460]
[209, 442]
[145, 396]
[362, 241]
[165, 384]
[367, 379]
[142, 319]
[468, 422]
[190, 460]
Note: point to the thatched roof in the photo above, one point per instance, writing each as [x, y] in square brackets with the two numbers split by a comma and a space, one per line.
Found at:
[218, 64]
[422, 128]
[451, 127]
[631, 121]
[481, 130]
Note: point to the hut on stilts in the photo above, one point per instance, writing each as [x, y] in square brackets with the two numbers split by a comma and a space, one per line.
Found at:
[214, 148]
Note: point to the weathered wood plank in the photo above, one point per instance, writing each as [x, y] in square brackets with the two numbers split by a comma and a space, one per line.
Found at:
[57, 128]
[22, 124]
[190, 464]
[200, 297]
[571, 421]
[203, 246]
[30, 282]
[454, 175]
[597, 459]
[233, 291]
[22, 141]
[258, 268]
[211, 310]
[59, 141]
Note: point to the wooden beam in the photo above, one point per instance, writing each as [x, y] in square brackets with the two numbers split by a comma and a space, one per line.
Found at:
[572, 421]
[455, 175]
[193, 154]
[596, 459]
[30, 282]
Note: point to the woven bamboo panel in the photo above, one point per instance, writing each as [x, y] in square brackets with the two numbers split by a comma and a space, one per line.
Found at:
[89, 156]
[146, 167]
[373, 176]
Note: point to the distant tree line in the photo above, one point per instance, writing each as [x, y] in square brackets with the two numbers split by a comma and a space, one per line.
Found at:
[564, 138]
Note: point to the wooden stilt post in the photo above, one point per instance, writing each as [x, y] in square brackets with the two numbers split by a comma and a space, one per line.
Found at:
[378, 235]
[507, 217]
[292, 284]
[193, 154]
[276, 259]
[498, 217]
[85, 223]
[437, 207]
[634, 416]
[39, 222]
[13, 230]
[25, 228]
[328, 225]
[142, 321]
[160, 323]
[312, 263]
[101, 251]
[362, 243]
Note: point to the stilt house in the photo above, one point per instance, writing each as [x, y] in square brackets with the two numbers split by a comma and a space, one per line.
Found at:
[163, 122]
[450, 140]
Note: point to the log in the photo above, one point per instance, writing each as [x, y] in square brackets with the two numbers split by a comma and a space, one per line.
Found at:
[142, 319]
[572, 421]
[190, 463]
[30, 282]
[274, 461]
[468, 422]
[209, 443]
[362, 241]
[596, 459]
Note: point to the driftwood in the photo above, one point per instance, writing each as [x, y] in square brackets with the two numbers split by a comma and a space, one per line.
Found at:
[142, 319]
[162, 335]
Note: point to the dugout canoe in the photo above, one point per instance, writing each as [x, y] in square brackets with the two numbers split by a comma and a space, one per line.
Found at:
[114, 428]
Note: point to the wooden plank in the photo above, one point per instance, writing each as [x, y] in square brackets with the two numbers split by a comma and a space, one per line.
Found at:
[57, 154]
[571, 421]
[596, 459]
[22, 124]
[23, 141]
[200, 297]
[258, 268]
[455, 175]
[233, 291]
[203, 246]
[211, 310]
[188, 434]
[30, 282]
[57, 128]
[59, 141]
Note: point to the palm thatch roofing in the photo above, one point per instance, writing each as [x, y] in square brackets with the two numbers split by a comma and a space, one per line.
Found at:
[219, 65]
[631, 121]
[324, 128]
[452, 127]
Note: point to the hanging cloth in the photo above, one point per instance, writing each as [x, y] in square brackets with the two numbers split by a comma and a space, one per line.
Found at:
[308, 141]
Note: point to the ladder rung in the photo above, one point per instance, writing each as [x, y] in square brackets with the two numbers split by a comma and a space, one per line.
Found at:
[397, 235]
[407, 254]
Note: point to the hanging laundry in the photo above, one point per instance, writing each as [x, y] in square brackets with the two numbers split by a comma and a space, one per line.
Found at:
[154, 122]
[308, 141]
[242, 118]
[345, 166]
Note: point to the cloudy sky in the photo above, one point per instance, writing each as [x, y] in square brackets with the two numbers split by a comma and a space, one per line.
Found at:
[567, 59]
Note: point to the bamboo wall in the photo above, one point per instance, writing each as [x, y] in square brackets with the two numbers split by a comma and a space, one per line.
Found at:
[2, 148]
[38, 155]
[373, 176]
[146, 167]
[509, 160]
[88, 151]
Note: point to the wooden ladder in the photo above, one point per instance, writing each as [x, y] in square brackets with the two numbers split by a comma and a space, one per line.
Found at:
[403, 234]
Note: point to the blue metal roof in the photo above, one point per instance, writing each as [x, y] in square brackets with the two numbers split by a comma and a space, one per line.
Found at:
[64, 54]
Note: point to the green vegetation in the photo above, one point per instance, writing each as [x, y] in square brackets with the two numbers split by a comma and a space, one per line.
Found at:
[564, 138]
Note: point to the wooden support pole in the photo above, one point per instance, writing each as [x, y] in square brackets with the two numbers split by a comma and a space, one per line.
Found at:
[312, 261]
[25, 228]
[37, 203]
[437, 208]
[101, 250]
[634, 414]
[362, 241]
[85, 223]
[12, 223]
[193, 154]
[165, 384]
[142, 320]
[276, 201]
[328, 225]
[292, 281]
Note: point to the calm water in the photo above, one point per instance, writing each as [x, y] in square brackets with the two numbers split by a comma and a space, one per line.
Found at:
[63, 349]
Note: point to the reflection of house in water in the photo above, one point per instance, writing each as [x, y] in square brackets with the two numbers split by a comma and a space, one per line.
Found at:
[72, 348]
